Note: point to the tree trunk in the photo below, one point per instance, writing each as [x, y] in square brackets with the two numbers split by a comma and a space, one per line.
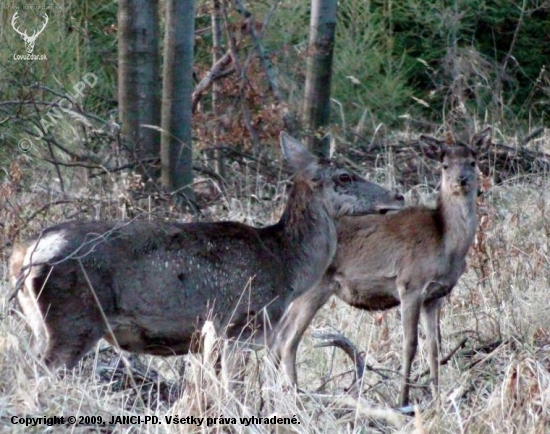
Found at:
[138, 80]
[316, 109]
[217, 53]
[177, 89]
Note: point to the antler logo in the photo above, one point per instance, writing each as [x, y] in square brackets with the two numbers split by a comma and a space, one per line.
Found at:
[29, 40]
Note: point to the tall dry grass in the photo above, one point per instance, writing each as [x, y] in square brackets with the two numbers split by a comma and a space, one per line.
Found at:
[498, 381]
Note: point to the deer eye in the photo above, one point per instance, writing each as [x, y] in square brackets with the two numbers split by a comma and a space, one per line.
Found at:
[344, 178]
[473, 164]
[445, 166]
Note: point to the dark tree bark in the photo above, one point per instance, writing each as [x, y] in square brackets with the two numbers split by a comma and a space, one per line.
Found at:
[316, 109]
[177, 90]
[138, 80]
[217, 53]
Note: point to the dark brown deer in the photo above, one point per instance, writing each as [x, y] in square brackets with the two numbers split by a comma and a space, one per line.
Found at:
[412, 258]
[148, 287]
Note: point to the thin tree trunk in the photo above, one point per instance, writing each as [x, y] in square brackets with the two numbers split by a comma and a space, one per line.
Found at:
[177, 89]
[138, 80]
[217, 37]
[316, 109]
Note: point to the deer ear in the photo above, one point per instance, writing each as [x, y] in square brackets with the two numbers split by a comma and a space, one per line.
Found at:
[433, 148]
[296, 153]
[481, 142]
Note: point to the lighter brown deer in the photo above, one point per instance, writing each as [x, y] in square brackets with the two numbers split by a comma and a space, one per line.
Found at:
[411, 258]
[148, 287]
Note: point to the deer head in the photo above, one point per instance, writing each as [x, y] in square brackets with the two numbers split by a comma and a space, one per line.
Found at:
[29, 40]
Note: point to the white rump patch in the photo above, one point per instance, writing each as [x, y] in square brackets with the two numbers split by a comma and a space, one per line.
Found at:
[42, 250]
[45, 248]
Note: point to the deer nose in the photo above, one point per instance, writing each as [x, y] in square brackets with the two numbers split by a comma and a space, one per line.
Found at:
[399, 197]
[463, 181]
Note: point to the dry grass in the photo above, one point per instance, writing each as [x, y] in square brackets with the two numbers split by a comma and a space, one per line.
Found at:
[498, 382]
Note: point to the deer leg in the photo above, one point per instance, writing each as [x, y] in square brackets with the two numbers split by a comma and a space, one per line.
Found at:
[71, 332]
[430, 322]
[410, 315]
[67, 347]
[288, 333]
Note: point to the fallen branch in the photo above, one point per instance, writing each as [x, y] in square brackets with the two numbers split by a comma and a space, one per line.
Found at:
[340, 341]
[502, 162]
[489, 350]
[130, 165]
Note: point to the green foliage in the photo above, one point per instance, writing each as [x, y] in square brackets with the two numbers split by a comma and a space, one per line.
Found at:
[366, 78]
[79, 38]
[96, 23]
[525, 61]
[394, 61]
[486, 55]
[463, 60]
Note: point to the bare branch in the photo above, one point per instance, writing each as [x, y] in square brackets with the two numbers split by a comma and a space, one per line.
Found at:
[264, 60]
[444, 360]
[218, 71]
[532, 135]
[266, 64]
[240, 72]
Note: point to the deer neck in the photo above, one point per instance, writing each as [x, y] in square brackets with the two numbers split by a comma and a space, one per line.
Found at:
[306, 237]
[458, 221]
